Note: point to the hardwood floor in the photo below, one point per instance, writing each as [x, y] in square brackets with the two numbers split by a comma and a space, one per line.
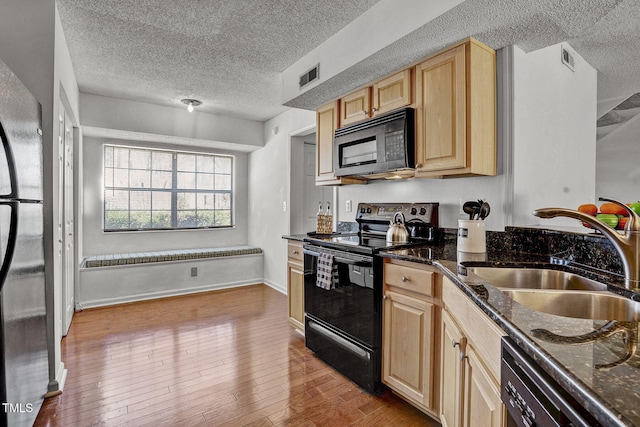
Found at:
[223, 358]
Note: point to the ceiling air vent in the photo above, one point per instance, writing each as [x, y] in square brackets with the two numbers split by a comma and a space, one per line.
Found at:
[310, 76]
[567, 58]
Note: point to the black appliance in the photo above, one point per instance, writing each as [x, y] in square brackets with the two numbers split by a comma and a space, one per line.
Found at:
[343, 325]
[382, 144]
[532, 397]
[24, 367]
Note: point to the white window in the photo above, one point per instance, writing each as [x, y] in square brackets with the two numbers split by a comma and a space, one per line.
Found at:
[147, 189]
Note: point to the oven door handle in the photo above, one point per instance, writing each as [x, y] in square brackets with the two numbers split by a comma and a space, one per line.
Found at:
[358, 263]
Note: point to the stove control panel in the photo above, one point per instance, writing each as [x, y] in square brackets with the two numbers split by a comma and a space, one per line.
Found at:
[424, 213]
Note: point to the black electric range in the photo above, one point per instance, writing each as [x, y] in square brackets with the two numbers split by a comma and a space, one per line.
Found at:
[343, 321]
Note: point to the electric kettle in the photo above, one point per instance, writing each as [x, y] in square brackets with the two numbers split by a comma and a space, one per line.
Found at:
[397, 232]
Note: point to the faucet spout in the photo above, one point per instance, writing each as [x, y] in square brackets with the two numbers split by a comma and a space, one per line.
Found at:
[626, 243]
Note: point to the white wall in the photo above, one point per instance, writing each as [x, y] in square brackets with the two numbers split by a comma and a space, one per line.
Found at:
[450, 193]
[96, 241]
[617, 167]
[65, 93]
[144, 118]
[269, 171]
[554, 128]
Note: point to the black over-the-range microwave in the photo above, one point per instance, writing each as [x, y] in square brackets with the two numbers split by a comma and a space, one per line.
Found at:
[381, 144]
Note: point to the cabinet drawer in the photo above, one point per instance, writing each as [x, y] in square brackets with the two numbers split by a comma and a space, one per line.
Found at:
[294, 252]
[411, 279]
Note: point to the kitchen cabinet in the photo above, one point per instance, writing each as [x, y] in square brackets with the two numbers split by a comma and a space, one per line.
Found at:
[326, 123]
[456, 112]
[470, 368]
[356, 106]
[295, 284]
[393, 92]
[410, 313]
[385, 95]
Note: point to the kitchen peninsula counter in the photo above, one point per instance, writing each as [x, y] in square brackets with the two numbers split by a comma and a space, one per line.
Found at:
[610, 394]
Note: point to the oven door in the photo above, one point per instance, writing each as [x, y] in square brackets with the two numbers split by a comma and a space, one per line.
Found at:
[350, 307]
[343, 325]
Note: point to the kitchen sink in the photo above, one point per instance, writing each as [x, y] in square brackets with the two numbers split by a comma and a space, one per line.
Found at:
[578, 304]
[535, 278]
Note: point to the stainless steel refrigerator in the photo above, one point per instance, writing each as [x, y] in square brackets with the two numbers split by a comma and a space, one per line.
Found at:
[24, 367]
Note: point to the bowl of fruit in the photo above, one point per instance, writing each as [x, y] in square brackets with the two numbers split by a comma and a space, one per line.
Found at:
[613, 215]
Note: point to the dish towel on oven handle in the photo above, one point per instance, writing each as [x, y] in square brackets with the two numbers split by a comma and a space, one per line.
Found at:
[327, 272]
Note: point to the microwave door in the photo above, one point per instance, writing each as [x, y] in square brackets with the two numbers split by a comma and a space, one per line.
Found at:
[357, 153]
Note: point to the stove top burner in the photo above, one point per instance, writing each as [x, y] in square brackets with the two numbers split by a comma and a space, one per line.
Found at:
[361, 243]
[421, 220]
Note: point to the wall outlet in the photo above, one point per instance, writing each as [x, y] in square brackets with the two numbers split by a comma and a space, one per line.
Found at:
[194, 271]
[284, 206]
[348, 206]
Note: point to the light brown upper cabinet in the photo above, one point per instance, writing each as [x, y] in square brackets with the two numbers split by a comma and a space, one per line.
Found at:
[326, 123]
[456, 112]
[356, 106]
[390, 93]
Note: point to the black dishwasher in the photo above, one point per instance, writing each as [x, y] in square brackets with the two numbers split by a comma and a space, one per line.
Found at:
[532, 397]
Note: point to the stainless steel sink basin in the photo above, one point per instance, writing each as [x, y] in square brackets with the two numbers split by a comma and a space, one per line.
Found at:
[535, 278]
[578, 304]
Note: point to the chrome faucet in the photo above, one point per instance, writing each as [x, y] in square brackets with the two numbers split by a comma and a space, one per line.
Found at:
[626, 243]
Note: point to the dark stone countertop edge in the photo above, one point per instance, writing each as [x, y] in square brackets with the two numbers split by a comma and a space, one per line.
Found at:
[591, 401]
[295, 237]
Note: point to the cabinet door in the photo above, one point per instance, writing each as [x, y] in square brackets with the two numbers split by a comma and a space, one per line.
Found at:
[326, 124]
[441, 142]
[482, 404]
[452, 348]
[392, 92]
[407, 359]
[295, 290]
[356, 106]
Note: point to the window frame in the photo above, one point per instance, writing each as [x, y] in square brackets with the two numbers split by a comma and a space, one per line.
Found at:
[175, 192]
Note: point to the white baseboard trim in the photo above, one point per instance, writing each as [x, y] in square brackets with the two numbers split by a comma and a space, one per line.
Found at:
[57, 386]
[276, 286]
[165, 294]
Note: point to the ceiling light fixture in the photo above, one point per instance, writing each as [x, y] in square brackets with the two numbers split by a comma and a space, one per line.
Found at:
[191, 103]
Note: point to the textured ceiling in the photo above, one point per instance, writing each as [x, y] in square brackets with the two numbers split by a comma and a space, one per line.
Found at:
[230, 54]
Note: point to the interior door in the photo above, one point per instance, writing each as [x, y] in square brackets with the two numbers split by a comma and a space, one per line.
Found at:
[66, 221]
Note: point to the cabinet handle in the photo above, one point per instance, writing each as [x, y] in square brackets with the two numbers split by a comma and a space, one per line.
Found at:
[419, 166]
[375, 109]
[454, 343]
[365, 113]
[385, 297]
[404, 279]
[462, 357]
[296, 252]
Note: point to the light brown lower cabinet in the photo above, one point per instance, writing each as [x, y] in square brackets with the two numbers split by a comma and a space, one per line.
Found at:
[411, 314]
[470, 369]
[295, 284]
[441, 353]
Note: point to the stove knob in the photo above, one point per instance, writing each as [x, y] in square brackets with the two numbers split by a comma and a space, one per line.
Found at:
[413, 211]
[423, 211]
[362, 210]
[368, 210]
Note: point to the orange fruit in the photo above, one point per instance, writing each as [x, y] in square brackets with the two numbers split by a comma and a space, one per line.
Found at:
[588, 208]
[612, 208]
[622, 222]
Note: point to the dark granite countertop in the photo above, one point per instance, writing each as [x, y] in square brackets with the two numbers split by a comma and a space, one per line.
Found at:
[611, 394]
[295, 237]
